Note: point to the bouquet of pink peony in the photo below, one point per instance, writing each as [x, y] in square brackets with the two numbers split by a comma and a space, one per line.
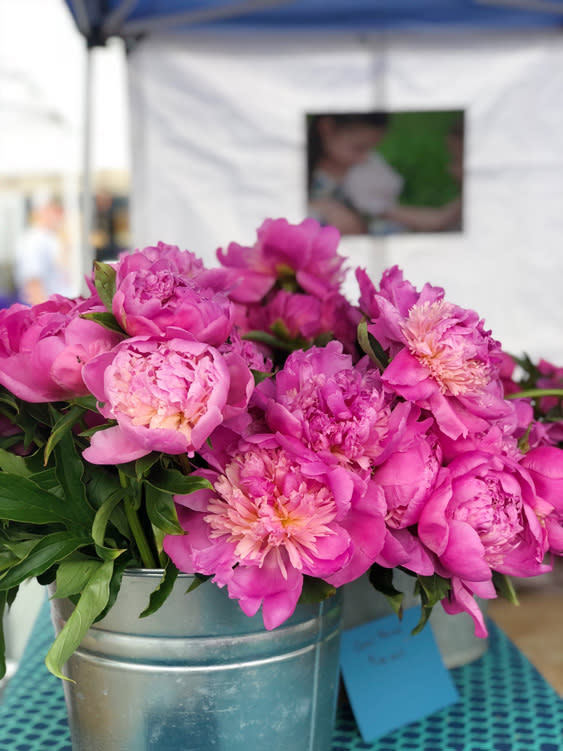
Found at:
[250, 425]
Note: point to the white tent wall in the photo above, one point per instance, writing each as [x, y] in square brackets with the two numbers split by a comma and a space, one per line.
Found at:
[218, 129]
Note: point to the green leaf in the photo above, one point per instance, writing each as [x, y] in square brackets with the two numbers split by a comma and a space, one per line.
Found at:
[260, 376]
[504, 587]
[372, 347]
[145, 464]
[12, 552]
[269, 339]
[22, 500]
[91, 603]
[315, 590]
[161, 510]
[89, 403]
[103, 516]
[62, 426]
[431, 589]
[13, 464]
[3, 601]
[6, 397]
[161, 593]
[173, 481]
[381, 579]
[49, 550]
[47, 480]
[119, 566]
[107, 320]
[104, 281]
[70, 470]
[199, 579]
[73, 576]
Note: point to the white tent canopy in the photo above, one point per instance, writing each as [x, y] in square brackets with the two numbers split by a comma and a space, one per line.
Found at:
[218, 144]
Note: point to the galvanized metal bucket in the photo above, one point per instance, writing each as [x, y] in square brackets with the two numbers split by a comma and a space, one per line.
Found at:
[454, 634]
[199, 675]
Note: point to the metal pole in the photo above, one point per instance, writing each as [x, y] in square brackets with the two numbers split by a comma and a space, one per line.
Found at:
[87, 254]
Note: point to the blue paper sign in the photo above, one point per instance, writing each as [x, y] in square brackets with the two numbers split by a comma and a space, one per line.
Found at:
[393, 678]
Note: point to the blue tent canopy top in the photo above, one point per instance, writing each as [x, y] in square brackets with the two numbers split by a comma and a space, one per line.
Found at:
[100, 19]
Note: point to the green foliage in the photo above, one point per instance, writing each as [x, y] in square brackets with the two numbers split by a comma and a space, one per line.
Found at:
[93, 599]
[372, 347]
[315, 590]
[431, 589]
[381, 579]
[504, 587]
[80, 525]
[160, 594]
[104, 281]
[416, 146]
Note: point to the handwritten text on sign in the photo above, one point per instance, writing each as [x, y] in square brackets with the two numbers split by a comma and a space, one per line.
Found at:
[391, 677]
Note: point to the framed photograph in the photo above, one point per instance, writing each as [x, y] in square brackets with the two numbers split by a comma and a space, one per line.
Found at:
[382, 173]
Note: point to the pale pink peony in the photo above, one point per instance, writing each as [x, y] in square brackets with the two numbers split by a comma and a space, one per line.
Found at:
[158, 288]
[44, 348]
[166, 395]
[294, 255]
[274, 517]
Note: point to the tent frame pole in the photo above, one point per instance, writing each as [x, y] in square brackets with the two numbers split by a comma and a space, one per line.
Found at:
[87, 254]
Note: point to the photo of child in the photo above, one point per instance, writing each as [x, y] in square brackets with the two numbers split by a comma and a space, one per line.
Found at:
[379, 173]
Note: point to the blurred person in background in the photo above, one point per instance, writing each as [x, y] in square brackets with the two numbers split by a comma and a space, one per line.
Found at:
[41, 267]
[350, 185]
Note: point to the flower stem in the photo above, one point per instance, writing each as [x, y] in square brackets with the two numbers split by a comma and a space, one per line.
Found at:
[143, 546]
[531, 393]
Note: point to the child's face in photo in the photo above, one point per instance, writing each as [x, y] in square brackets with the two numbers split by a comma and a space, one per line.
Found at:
[348, 145]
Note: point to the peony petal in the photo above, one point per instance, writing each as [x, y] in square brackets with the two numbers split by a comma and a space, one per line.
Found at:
[112, 446]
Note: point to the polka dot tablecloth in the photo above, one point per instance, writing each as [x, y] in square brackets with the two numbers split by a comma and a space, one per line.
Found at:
[505, 706]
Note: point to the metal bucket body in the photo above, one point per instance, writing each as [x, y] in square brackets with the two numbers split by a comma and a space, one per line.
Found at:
[454, 634]
[199, 675]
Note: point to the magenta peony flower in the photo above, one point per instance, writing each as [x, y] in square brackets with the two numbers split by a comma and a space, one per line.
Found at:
[158, 288]
[181, 262]
[442, 357]
[289, 315]
[44, 348]
[545, 465]
[335, 409]
[462, 600]
[295, 255]
[273, 518]
[551, 377]
[485, 514]
[507, 365]
[166, 395]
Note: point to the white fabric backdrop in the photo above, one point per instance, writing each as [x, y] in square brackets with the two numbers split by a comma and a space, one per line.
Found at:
[218, 132]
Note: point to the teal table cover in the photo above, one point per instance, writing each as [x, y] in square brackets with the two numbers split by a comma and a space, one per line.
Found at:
[505, 705]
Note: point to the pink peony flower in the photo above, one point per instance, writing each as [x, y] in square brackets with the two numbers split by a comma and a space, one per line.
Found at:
[288, 315]
[335, 409]
[442, 357]
[507, 366]
[462, 600]
[551, 377]
[545, 465]
[158, 288]
[272, 519]
[166, 395]
[44, 348]
[485, 514]
[295, 255]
